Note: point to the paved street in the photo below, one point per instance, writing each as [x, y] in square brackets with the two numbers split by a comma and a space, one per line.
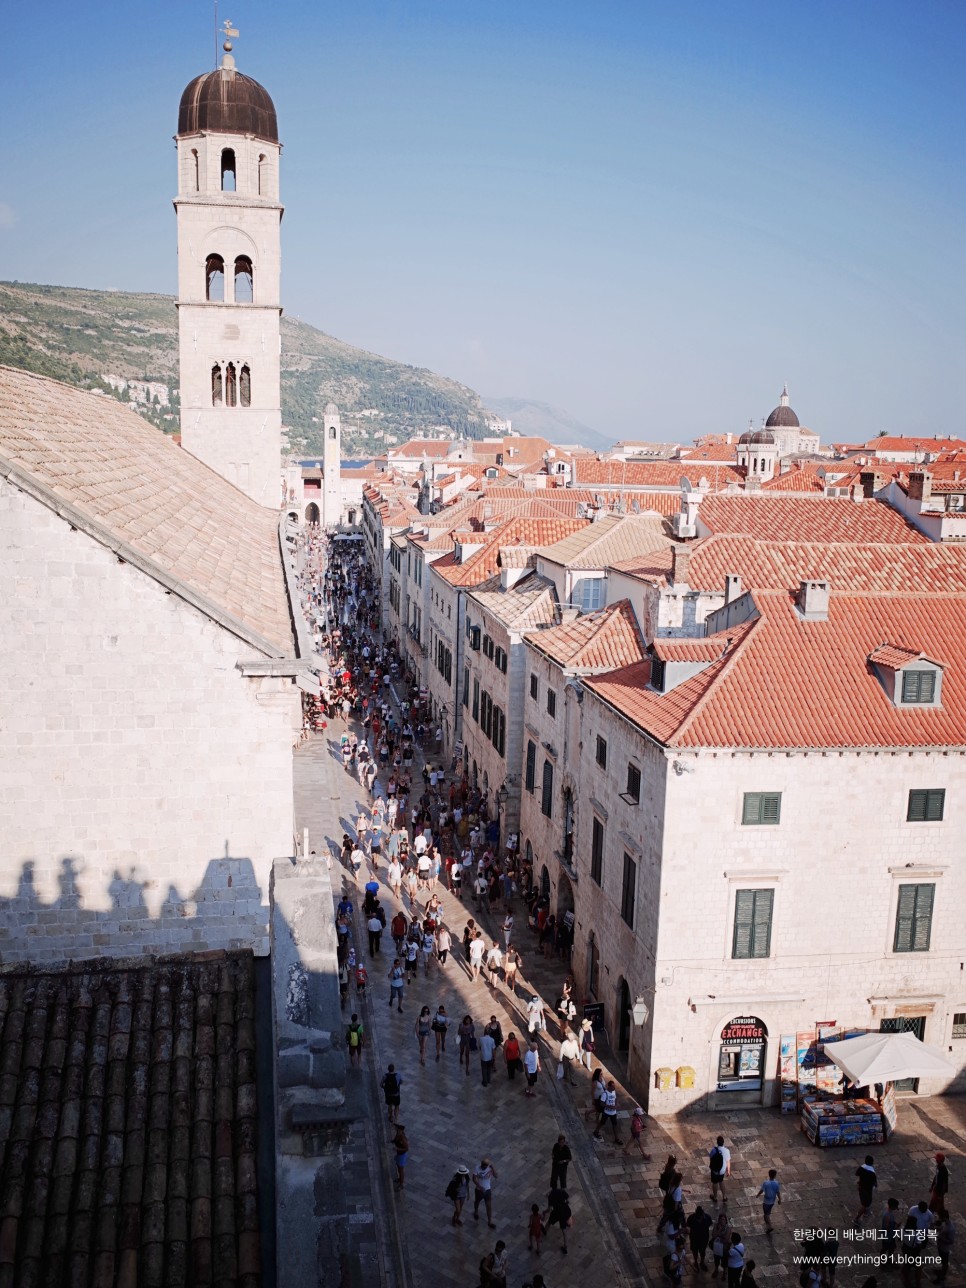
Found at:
[452, 1119]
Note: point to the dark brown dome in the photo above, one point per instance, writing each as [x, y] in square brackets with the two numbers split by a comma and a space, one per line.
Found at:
[757, 438]
[226, 102]
[782, 418]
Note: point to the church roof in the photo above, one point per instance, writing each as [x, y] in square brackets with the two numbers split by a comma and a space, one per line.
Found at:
[226, 102]
[104, 469]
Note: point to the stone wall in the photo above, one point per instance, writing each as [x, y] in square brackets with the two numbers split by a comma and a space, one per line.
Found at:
[145, 784]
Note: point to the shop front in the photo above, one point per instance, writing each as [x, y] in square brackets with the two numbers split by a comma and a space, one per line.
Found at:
[741, 1062]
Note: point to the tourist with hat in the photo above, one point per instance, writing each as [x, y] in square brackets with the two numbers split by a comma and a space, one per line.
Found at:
[458, 1191]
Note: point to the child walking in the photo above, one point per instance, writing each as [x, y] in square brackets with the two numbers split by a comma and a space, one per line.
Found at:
[535, 1229]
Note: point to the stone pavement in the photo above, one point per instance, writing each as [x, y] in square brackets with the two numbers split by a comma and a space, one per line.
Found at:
[453, 1119]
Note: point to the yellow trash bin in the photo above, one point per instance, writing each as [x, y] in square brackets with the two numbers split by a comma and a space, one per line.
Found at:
[664, 1079]
[685, 1076]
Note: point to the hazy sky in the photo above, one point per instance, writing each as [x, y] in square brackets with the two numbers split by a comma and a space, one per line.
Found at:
[650, 214]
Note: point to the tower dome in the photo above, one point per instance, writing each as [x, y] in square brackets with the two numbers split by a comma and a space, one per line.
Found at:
[782, 417]
[226, 102]
[758, 437]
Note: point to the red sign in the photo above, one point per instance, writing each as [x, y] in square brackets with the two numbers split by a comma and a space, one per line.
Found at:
[746, 1029]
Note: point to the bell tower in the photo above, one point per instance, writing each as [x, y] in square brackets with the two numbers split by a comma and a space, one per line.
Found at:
[229, 266]
[332, 467]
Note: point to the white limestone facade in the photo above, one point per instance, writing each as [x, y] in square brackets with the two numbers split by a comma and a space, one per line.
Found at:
[146, 783]
[229, 306]
[332, 502]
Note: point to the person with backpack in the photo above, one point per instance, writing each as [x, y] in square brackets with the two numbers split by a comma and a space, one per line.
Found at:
[719, 1160]
[391, 1085]
[355, 1040]
[637, 1134]
[558, 1213]
[458, 1191]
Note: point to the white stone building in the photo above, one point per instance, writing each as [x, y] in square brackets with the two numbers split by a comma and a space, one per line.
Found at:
[153, 653]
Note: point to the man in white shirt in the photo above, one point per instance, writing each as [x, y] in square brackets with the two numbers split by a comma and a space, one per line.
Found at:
[476, 955]
[569, 1053]
[531, 1067]
[719, 1160]
[535, 1014]
[487, 1052]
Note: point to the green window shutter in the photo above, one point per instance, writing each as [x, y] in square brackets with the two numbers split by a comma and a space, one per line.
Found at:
[935, 802]
[761, 927]
[916, 811]
[531, 765]
[751, 808]
[771, 807]
[905, 919]
[922, 922]
[744, 923]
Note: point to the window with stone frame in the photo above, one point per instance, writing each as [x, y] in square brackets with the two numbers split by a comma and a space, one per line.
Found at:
[914, 909]
[531, 776]
[546, 796]
[597, 852]
[753, 921]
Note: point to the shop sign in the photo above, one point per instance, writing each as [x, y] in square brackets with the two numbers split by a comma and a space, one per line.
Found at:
[745, 1030]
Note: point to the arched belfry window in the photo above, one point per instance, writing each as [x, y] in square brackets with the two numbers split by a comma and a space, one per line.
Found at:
[262, 175]
[228, 170]
[195, 170]
[231, 386]
[215, 279]
[244, 280]
[332, 433]
[245, 386]
[216, 394]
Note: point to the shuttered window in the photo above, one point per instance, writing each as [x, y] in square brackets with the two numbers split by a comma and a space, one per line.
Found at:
[753, 913]
[601, 752]
[531, 765]
[914, 918]
[761, 807]
[926, 806]
[597, 852]
[546, 801]
[534, 686]
[919, 686]
[629, 890]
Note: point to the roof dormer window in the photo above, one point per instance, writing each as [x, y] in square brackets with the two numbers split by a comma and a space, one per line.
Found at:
[910, 679]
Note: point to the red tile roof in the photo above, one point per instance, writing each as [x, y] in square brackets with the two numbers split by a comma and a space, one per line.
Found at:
[593, 642]
[898, 443]
[657, 474]
[517, 531]
[820, 518]
[894, 658]
[685, 650]
[789, 683]
[803, 478]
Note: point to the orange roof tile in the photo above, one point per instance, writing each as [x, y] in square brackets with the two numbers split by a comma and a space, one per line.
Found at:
[656, 474]
[517, 531]
[788, 683]
[688, 650]
[899, 443]
[595, 641]
[893, 657]
[820, 518]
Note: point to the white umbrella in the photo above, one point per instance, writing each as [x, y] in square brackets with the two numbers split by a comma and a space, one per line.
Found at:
[887, 1057]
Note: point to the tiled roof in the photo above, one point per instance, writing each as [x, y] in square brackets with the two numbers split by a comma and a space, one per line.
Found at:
[805, 478]
[685, 650]
[594, 641]
[128, 1128]
[788, 683]
[861, 567]
[898, 443]
[894, 658]
[784, 518]
[616, 536]
[126, 478]
[656, 474]
[717, 453]
[483, 564]
[530, 603]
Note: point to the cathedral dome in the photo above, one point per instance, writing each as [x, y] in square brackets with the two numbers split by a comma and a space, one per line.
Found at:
[783, 417]
[226, 102]
[758, 437]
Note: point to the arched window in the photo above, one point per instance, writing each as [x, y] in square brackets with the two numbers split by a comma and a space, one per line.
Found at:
[245, 386]
[195, 171]
[215, 279]
[332, 431]
[244, 280]
[228, 170]
[216, 394]
[231, 385]
[262, 175]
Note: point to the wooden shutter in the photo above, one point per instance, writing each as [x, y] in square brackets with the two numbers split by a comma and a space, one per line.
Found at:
[753, 913]
[546, 803]
[761, 927]
[771, 807]
[531, 765]
[922, 918]
[905, 919]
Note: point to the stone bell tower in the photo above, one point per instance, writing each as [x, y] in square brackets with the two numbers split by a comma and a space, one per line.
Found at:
[229, 264]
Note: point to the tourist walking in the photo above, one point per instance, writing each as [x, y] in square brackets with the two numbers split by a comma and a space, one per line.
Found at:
[422, 1030]
[699, 1233]
[483, 1179]
[587, 1045]
[770, 1194]
[866, 1184]
[391, 1086]
[597, 1089]
[487, 1055]
[511, 965]
[720, 1242]
[535, 1021]
[511, 1054]
[396, 984]
[458, 1191]
[501, 1264]
[736, 1260]
[440, 1025]
[444, 942]
[560, 1159]
[940, 1185]
[355, 1039]
[400, 1142]
[477, 949]
[535, 1229]
[494, 963]
[531, 1067]
[637, 1134]
[558, 1213]
[569, 1055]
[719, 1160]
[374, 925]
[608, 1105]
[466, 1039]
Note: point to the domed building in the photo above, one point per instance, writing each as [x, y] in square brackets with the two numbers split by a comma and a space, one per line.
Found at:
[758, 452]
[229, 269]
[790, 438]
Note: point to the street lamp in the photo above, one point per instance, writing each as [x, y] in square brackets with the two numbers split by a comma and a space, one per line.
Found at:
[641, 1012]
[502, 794]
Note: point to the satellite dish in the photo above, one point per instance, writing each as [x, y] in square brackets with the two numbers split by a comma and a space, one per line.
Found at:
[685, 484]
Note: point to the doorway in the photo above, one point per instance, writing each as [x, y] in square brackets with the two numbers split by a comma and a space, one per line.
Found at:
[311, 513]
[741, 1062]
[906, 1024]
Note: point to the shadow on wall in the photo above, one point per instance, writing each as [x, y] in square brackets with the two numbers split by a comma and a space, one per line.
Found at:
[226, 910]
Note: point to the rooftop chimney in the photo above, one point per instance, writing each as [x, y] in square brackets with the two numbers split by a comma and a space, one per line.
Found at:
[680, 565]
[813, 597]
[920, 485]
[732, 587]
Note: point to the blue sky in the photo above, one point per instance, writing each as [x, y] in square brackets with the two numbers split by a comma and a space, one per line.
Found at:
[650, 214]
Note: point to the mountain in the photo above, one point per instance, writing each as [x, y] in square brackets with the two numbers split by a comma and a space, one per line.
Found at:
[126, 345]
[539, 418]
